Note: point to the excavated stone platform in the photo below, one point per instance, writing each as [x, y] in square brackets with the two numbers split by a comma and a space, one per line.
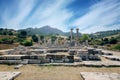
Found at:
[100, 76]
[9, 75]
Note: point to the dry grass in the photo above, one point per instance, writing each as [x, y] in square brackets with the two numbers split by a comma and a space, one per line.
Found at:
[7, 46]
[35, 72]
[1, 53]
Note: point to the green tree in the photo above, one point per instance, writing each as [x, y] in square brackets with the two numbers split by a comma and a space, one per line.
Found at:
[10, 33]
[42, 38]
[22, 34]
[4, 33]
[84, 37]
[117, 47]
[113, 40]
[68, 37]
[6, 40]
[35, 38]
[106, 40]
[53, 38]
[27, 43]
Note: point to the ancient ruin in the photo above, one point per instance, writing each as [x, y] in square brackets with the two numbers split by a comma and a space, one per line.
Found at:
[64, 53]
[100, 75]
[9, 75]
[59, 54]
[73, 55]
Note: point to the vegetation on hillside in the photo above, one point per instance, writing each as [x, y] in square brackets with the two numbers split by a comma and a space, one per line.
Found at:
[108, 39]
[45, 30]
[111, 43]
[103, 34]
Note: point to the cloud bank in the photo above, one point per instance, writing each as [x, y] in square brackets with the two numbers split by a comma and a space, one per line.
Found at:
[100, 16]
[105, 15]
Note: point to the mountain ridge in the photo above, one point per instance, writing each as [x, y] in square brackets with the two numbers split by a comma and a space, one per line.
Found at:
[47, 30]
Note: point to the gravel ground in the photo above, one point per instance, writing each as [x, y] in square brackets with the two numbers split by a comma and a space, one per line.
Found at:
[35, 72]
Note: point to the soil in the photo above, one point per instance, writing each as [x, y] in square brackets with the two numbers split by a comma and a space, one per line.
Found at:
[35, 72]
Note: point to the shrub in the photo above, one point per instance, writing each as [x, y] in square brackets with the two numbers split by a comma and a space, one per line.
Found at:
[53, 38]
[113, 40]
[22, 34]
[117, 47]
[35, 38]
[6, 40]
[27, 43]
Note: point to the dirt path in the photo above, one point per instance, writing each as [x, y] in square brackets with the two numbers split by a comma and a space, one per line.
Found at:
[35, 72]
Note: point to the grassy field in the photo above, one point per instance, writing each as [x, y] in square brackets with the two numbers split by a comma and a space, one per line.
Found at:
[35, 72]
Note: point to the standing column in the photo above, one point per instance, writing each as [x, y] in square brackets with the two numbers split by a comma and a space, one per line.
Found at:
[77, 34]
[71, 34]
[38, 39]
[44, 42]
[77, 37]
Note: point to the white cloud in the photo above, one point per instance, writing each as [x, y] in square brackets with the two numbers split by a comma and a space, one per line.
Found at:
[104, 13]
[101, 28]
[49, 12]
[52, 13]
[24, 8]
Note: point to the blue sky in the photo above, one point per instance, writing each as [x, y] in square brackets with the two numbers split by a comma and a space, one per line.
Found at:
[88, 15]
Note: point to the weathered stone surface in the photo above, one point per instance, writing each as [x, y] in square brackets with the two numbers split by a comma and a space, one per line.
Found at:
[54, 50]
[11, 57]
[100, 76]
[111, 57]
[77, 59]
[93, 63]
[33, 61]
[18, 66]
[10, 61]
[9, 75]
[72, 52]
[37, 51]
[18, 50]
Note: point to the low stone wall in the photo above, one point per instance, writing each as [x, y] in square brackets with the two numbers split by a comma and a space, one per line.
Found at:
[10, 61]
[57, 50]
[86, 63]
[33, 61]
[72, 52]
[95, 51]
[18, 66]
[45, 61]
[111, 57]
[10, 57]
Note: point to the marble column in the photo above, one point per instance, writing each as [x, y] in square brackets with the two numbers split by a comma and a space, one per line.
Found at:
[71, 35]
[77, 34]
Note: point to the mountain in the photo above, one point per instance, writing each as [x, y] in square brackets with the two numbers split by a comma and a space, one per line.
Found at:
[45, 30]
[50, 30]
[103, 34]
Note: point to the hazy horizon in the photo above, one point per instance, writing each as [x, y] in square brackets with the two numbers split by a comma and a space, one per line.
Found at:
[89, 16]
